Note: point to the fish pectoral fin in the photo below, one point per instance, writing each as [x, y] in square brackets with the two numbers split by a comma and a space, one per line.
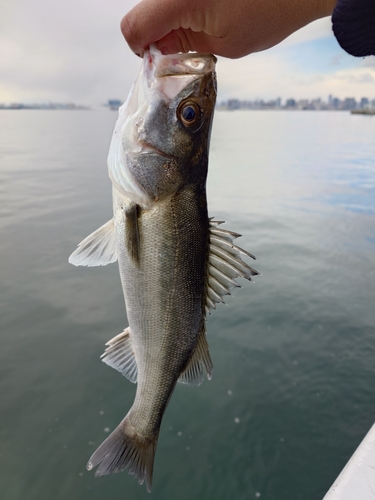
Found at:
[199, 364]
[120, 355]
[132, 214]
[225, 265]
[98, 249]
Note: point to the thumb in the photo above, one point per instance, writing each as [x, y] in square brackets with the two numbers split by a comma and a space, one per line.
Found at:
[149, 21]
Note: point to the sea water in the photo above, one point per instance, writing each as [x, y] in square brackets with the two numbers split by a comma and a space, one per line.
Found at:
[293, 389]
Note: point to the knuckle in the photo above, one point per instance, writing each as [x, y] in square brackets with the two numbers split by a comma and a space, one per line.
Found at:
[128, 29]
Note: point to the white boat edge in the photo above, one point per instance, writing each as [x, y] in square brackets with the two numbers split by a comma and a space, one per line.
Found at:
[357, 479]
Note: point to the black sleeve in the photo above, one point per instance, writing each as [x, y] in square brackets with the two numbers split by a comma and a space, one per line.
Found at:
[353, 23]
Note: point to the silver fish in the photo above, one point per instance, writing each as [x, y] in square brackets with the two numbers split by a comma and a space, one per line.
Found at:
[175, 262]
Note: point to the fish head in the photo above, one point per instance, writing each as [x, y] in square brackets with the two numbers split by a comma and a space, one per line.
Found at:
[161, 138]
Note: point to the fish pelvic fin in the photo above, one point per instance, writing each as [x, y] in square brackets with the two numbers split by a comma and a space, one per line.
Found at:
[124, 449]
[200, 363]
[98, 249]
[225, 265]
[120, 355]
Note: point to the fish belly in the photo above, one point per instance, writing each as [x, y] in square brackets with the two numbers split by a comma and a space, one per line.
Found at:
[164, 296]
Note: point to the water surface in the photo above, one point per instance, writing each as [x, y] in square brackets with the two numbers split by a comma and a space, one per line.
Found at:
[293, 388]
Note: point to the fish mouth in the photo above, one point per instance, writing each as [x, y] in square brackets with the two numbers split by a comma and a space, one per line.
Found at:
[169, 74]
[149, 149]
[178, 65]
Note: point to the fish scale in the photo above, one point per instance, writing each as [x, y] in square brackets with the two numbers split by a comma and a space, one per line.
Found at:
[175, 262]
[161, 302]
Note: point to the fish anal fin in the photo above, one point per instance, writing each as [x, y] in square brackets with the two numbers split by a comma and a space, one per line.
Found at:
[125, 448]
[132, 231]
[120, 355]
[97, 249]
[199, 364]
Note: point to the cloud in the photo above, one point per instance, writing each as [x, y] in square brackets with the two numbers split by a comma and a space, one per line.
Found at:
[74, 51]
[271, 77]
[308, 69]
[71, 50]
[336, 59]
[368, 62]
[357, 76]
[251, 77]
[314, 31]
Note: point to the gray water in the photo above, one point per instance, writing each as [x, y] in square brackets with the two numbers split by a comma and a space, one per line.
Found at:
[293, 390]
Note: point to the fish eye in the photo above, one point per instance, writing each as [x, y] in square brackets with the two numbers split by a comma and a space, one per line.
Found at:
[189, 113]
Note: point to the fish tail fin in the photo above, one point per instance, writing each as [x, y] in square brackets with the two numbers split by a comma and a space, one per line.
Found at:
[124, 448]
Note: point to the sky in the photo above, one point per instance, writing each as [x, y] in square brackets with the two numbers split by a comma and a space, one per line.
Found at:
[73, 51]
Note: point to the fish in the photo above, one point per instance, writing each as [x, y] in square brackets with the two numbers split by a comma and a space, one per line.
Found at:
[175, 262]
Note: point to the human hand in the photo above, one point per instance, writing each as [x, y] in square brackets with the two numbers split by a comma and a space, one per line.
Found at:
[230, 28]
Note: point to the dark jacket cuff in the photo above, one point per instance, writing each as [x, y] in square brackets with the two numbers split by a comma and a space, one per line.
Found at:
[353, 23]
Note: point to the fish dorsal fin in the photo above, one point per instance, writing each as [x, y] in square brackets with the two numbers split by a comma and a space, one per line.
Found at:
[98, 249]
[199, 364]
[225, 265]
[120, 355]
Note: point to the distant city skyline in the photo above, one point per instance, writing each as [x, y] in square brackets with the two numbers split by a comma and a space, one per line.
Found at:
[41, 105]
[331, 104]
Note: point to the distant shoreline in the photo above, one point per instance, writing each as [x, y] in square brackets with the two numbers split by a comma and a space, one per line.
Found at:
[368, 112]
[223, 108]
[43, 107]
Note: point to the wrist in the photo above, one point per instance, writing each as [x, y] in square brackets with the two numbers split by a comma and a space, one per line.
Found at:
[325, 8]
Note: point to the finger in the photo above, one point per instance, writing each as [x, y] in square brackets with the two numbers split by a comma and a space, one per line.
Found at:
[150, 21]
[185, 40]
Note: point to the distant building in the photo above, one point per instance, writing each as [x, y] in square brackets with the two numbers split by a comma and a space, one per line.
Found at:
[303, 104]
[318, 104]
[114, 104]
[364, 103]
[233, 104]
[349, 103]
[335, 103]
[43, 105]
[290, 103]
